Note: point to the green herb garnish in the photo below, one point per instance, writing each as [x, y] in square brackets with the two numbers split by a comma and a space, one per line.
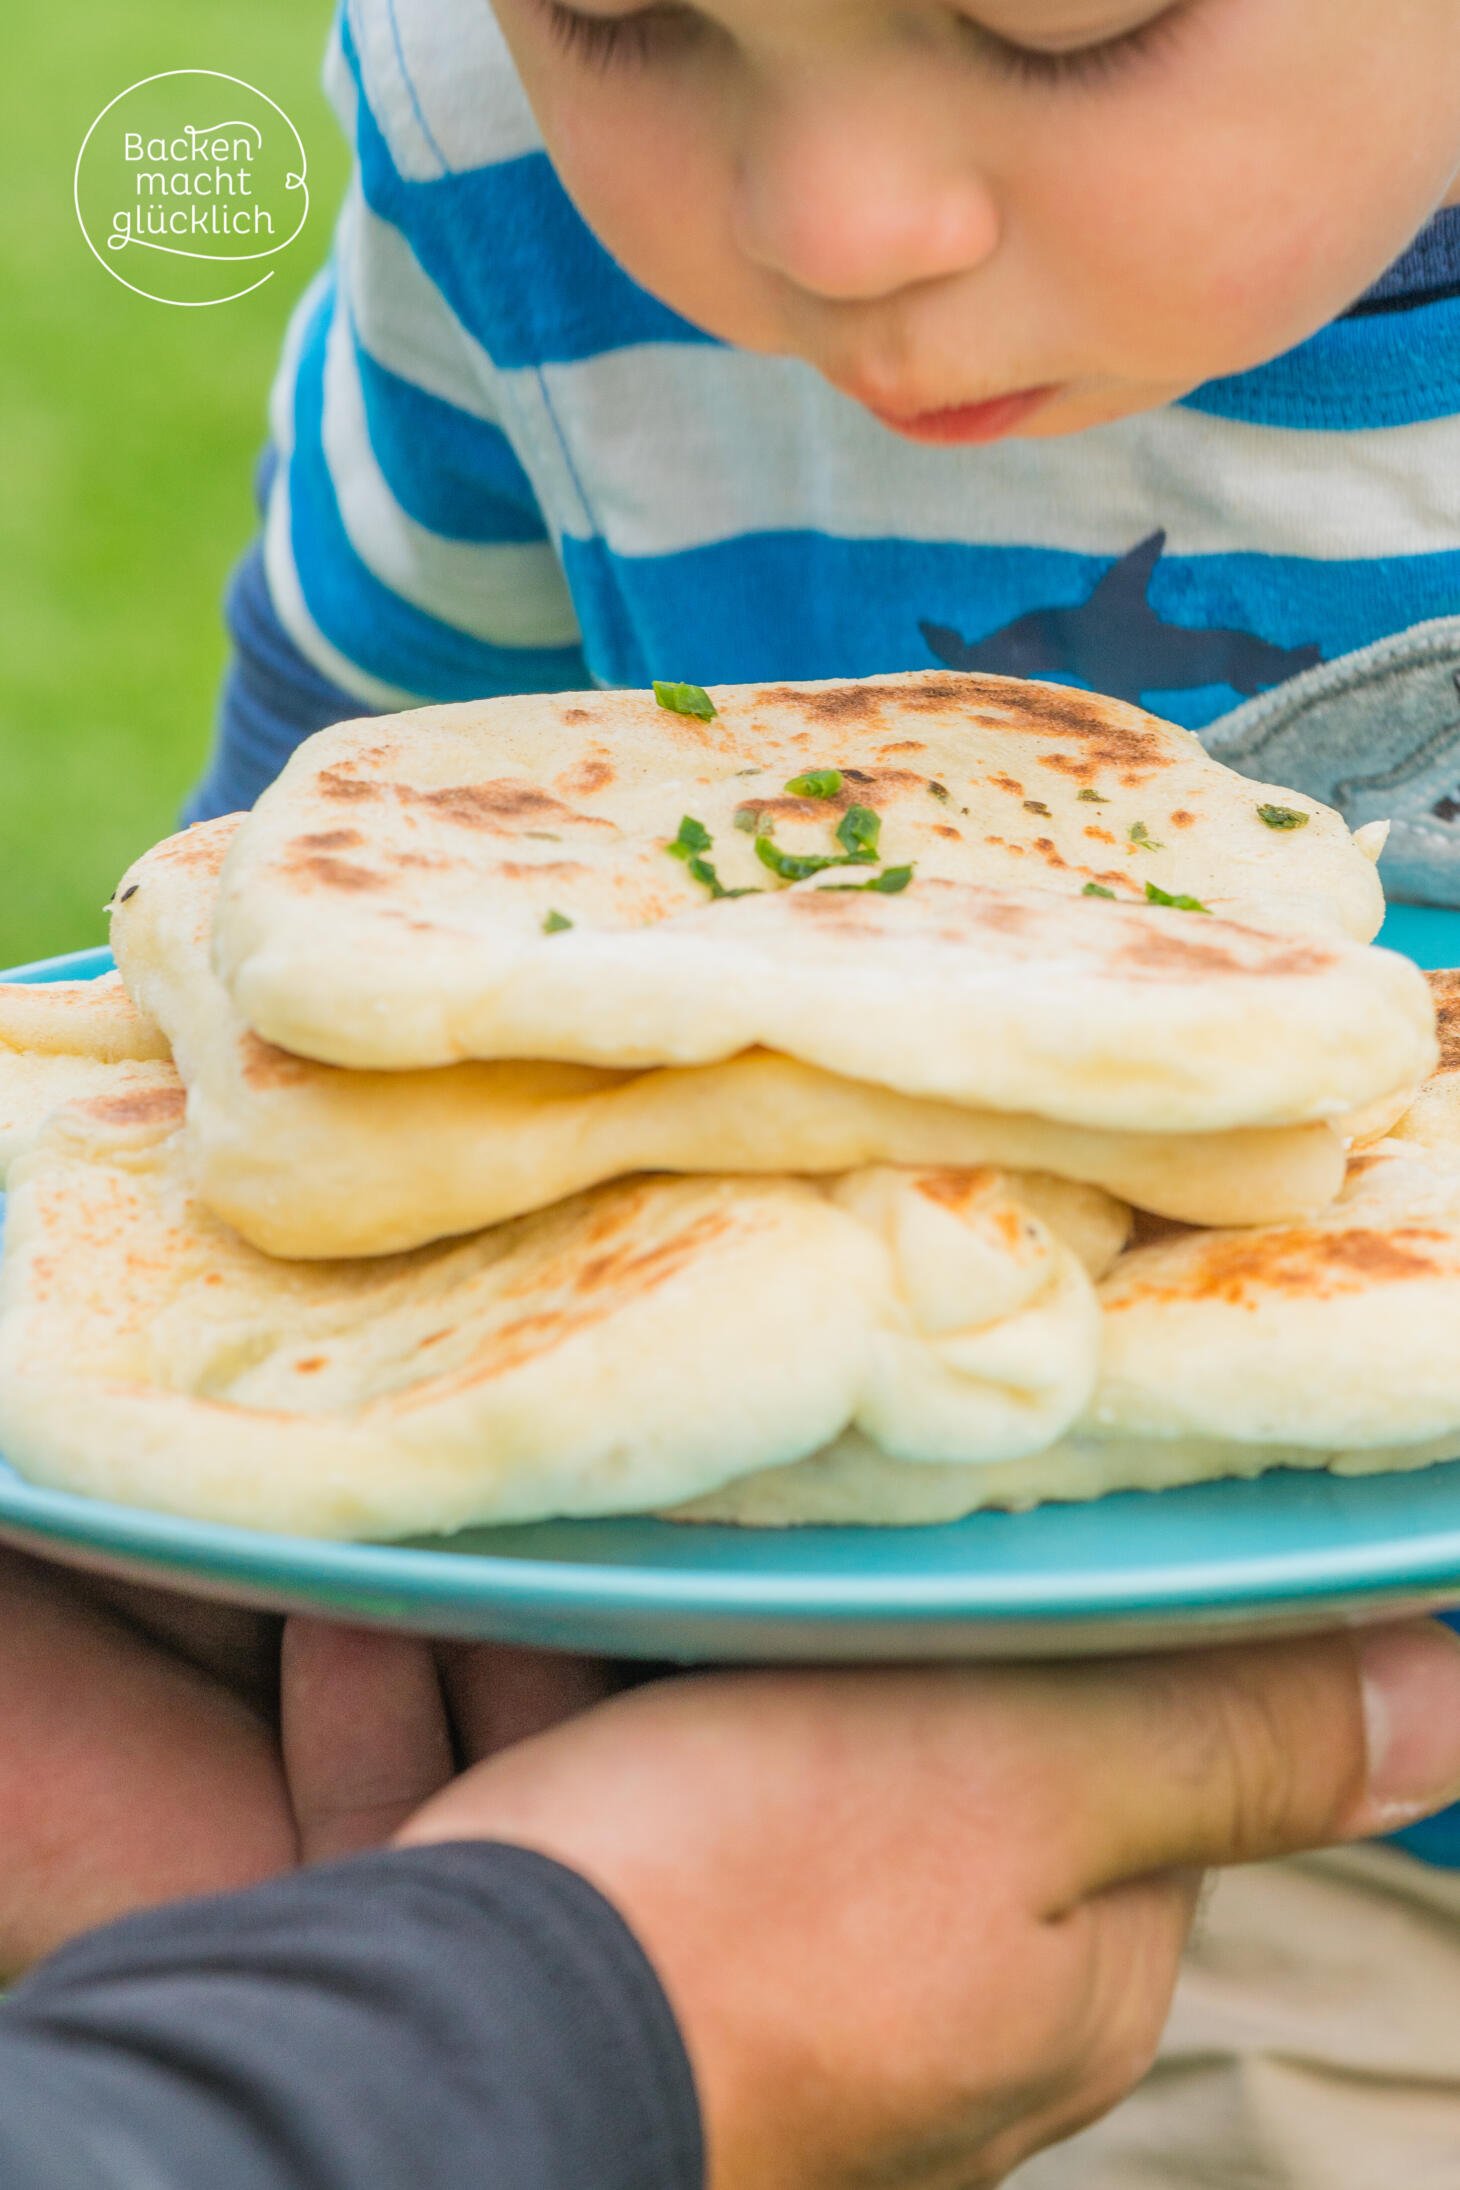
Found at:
[693, 837]
[857, 832]
[748, 819]
[792, 866]
[1096, 889]
[1178, 903]
[555, 923]
[887, 884]
[1036, 806]
[816, 783]
[1284, 817]
[1141, 836]
[685, 699]
[1092, 798]
[939, 790]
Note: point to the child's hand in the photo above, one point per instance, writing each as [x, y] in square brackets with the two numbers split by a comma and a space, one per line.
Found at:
[142, 1756]
[918, 1923]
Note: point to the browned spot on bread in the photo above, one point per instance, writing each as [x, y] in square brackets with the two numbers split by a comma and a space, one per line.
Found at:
[1160, 949]
[946, 828]
[310, 1363]
[937, 692]
[641, 1269]
[138, 1106]
[856, 703]
[504, 805]
[335, 874]
[592, 1286]
[1445, 989]
[331, 840]
[1098, 835]
[954, 1189]
[1242, 1269]
[787, 808]
[859, 787]
[1048, 852]
[833, 908]
[1181, 819]
[1005, 914]
[593, 773]
[1077, 765]
[576, 714]
[1008, 783]
[340, 783]
[903, 745]
[523, 870]
[264, 1066]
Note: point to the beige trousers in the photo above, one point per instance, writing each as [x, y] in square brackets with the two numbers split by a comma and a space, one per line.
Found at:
[1314, 2043]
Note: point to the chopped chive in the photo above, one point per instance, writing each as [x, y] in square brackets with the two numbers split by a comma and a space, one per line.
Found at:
[792, 866]
[555, 923]
[1141, 836]
[693, 837]
[1096, 889]
[1179, 903]
[889, 883]
[1284, 817]
[939, 790]
[1092, 798]
[857, 832]
[1035, 806]
[685, 699]
[816, 783]
[704, 872]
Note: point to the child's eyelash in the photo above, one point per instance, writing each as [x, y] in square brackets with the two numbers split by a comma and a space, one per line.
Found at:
[610, 40]
[602, 40]
[1081, 64]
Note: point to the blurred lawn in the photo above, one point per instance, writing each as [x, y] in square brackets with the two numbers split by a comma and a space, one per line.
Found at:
[128, 431]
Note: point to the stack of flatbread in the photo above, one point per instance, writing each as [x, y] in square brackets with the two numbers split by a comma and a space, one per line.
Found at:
[846, 1102]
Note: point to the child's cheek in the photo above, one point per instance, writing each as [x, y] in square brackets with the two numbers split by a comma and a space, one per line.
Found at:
[654, 185]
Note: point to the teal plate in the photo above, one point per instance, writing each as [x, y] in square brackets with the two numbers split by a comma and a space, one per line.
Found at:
[1137, 1570]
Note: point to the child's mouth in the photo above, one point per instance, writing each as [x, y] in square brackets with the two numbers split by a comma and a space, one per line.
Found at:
[991, 421]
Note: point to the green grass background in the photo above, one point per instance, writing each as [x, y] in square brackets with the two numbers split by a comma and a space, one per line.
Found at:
[128, 432]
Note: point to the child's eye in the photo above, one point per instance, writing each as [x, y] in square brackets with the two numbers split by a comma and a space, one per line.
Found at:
[607, 40]
[1078, 64]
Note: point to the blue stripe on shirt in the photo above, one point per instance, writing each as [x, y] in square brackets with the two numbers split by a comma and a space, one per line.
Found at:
[1386, 369]
[362, 617]
[807, 604]
[539, 289]
[457, 474]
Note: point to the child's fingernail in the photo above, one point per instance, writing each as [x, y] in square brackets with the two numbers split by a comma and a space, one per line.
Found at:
[1411, 1678]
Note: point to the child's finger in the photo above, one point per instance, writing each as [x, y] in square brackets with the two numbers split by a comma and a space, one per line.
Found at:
[503, 1692]
[364, 1733]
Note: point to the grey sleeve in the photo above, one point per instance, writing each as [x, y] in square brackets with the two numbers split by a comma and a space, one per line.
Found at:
[463, 2017]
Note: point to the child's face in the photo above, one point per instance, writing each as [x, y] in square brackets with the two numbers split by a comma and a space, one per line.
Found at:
[1089, 206]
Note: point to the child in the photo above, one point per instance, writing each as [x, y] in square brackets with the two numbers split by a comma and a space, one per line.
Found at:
[1086, 339]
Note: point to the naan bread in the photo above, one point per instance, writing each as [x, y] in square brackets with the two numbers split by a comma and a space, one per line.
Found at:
[629, 1348]
[387, 902]
[62, 1039]
[1331, 1344]
[310, 1160]
[1434, 1116]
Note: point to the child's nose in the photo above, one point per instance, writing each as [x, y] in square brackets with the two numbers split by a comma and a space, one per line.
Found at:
[854, 205]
